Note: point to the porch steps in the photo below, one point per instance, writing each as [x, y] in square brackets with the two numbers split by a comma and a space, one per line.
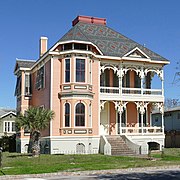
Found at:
[119, 147]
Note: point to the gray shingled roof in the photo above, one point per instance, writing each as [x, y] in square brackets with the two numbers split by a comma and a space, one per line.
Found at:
[110, 42]
[6, 111]
[25, 63]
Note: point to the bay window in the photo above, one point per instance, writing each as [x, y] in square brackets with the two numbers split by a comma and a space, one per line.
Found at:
[80, 70]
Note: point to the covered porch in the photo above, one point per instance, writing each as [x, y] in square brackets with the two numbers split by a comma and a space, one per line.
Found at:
[129, 118]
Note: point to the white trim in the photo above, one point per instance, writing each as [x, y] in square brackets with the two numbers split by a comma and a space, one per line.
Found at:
[51, 94]
[136, 59]
[97, 56]
[11, 112]
[10, 126]
[90, 115]
[75, 41]
[136, 48]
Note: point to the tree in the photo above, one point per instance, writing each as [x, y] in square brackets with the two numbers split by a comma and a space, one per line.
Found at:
[35, 119]
[169, 103]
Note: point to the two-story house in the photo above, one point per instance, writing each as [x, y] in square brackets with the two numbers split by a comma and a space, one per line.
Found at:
[7, 122]
[99, 84]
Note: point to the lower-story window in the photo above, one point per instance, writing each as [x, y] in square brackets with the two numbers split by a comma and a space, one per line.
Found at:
[80, 115]
[67, 115]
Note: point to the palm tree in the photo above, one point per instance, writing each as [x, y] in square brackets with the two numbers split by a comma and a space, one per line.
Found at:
[35, 119]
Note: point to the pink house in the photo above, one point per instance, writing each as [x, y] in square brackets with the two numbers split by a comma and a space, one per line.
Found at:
[100, 84]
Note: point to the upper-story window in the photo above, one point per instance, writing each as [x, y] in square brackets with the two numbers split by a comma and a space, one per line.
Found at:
[80, 115]
[18, 86]
[40, 78]
[80, 70]
[27, 84]
[67, 70]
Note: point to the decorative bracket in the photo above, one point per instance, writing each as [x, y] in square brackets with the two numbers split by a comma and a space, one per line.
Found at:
[120, 106]
[142, 106]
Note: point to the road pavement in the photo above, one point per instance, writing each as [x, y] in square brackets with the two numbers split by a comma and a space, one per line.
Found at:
[151, 173]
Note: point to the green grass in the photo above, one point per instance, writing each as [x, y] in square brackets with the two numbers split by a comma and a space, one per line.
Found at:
[14, 163]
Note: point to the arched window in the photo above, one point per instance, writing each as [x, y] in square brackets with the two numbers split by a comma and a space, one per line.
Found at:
[80, 115]
[67, 115]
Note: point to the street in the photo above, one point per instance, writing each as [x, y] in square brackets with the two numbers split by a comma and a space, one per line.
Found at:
[151, 173]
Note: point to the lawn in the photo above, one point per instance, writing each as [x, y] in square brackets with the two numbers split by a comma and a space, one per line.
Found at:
[14, 163]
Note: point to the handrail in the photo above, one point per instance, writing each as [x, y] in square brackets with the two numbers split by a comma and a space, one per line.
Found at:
[125, 90]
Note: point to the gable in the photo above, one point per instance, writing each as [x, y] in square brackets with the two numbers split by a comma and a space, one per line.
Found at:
[8, 115]
[136, 53]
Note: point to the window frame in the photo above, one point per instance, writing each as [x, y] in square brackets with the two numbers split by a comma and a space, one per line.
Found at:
[68, 115]
[28, 92]
[8, 127]
[80, 80]
[80, 115]
[40, 78]
[65, 71]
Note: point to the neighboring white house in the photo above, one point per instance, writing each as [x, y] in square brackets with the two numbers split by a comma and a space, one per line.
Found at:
[171, 125]
[7, 122]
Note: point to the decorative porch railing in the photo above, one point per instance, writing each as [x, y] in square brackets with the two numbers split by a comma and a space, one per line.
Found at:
[134, 91]
[141, 130]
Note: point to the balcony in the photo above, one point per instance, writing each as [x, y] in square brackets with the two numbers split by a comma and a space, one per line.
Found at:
[135, 94]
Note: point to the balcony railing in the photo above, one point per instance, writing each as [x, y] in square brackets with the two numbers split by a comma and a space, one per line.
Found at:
[134, 91]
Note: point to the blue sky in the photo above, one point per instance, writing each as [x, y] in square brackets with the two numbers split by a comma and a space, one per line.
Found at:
[155, 23]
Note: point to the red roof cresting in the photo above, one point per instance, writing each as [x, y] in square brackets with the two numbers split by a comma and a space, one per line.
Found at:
[89, 19]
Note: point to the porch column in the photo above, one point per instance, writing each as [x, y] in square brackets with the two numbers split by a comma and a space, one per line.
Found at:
[162, 115]
[141, 75]
[120, 106]
[120, 75]
[162, 80]
[161, 110]
[120, 119]
[142, 107]
[142, 119]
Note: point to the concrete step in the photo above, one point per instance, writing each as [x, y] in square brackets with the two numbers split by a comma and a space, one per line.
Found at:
[118, 146]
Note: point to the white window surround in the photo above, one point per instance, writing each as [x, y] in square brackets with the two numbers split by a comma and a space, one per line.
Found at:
[75, 114]
[86, 60]
[10, 128]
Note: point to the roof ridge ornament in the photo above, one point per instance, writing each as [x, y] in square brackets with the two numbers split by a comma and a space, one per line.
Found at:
[89, 19]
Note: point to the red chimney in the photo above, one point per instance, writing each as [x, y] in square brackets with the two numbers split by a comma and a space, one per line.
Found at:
[90, 20]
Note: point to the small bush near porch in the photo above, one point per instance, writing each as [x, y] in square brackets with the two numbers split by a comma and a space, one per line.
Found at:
[14, 163]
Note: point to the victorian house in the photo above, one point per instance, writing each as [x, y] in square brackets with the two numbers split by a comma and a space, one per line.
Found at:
[102, 87]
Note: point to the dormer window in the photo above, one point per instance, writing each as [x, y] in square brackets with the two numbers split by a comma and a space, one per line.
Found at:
[67, 46]
[80, 46]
